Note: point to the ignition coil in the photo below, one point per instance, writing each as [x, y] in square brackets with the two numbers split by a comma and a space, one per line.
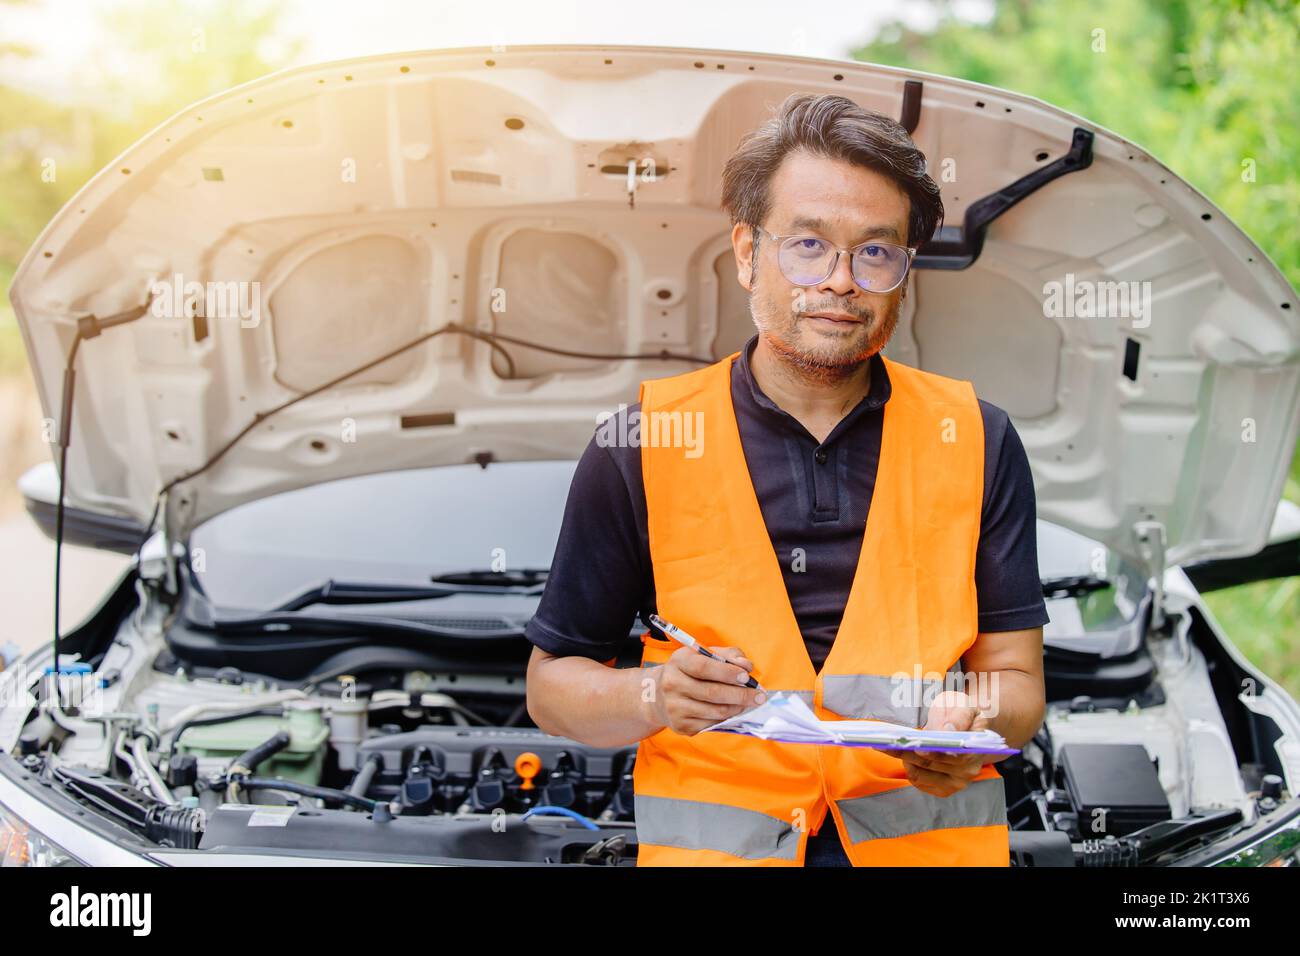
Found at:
[420, 788]
[489, 790]
[564, 783]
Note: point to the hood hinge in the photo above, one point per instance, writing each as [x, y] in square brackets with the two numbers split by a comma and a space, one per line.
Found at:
[1151, 546]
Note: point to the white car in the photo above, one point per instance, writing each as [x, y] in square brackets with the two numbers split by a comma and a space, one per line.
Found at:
[341, 334]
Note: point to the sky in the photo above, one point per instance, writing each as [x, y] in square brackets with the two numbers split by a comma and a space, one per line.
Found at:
[67, 34]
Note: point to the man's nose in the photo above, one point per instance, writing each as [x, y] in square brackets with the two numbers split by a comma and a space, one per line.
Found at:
[840, 281]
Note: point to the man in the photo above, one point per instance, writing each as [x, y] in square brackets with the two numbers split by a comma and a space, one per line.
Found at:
[850, 529]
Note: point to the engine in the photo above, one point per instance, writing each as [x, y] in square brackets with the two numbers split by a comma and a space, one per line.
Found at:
[1132, 765]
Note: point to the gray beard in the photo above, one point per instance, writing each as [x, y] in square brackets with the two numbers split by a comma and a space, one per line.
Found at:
[812, 368]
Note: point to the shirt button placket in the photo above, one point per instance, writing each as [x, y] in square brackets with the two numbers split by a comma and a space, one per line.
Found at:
[825, 496]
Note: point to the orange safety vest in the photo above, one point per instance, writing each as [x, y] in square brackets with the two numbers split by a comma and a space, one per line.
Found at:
[728, 799]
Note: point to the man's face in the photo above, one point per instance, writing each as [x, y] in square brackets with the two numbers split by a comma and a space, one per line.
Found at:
[833, 325]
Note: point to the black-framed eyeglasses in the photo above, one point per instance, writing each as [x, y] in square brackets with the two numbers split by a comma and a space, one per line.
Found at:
[877, 266]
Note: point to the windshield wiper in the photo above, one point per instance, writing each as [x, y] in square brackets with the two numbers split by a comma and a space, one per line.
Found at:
[465, 582]
[1073, 585]
[323, 624]
[520, 577]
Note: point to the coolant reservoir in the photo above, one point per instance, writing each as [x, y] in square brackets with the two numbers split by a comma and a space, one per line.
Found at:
[301, 760]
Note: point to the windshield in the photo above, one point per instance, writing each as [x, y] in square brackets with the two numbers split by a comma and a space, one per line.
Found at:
[397, 528]
[1094, 598]
[408, 528]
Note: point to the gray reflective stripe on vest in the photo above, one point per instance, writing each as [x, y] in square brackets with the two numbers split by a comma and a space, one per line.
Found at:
[907, 810]
[899, 700]
[694, 825]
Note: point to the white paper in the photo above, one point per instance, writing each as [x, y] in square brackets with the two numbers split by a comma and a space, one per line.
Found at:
[787, 718]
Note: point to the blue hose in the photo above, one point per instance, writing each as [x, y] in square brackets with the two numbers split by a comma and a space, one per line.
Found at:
[562, 812]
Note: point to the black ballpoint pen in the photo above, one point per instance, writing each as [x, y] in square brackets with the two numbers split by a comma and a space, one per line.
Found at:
[681, 637]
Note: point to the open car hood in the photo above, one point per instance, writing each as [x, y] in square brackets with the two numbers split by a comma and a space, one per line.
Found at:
[357, 206]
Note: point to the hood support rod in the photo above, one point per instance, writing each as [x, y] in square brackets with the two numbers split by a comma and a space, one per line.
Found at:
[88, 327]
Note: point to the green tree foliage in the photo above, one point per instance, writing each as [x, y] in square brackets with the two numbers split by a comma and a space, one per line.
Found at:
[1207, 86]
[1204, 85]
[156, 57]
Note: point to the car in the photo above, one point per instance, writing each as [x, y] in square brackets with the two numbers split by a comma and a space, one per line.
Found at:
[338, 337]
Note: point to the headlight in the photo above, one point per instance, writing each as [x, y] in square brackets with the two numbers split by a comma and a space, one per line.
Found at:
[1278, 847]
[22, 846]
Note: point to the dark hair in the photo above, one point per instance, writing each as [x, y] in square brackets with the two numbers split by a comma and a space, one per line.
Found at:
[835, 127]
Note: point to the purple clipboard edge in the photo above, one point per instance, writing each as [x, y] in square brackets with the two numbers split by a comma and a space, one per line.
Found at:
[945, 750]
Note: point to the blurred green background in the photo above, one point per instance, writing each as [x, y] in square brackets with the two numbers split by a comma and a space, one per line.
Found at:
[1202, 85]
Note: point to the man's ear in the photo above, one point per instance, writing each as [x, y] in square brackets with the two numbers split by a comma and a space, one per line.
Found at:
[742, 244]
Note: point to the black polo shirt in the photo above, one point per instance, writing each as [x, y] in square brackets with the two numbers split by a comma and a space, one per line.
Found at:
[813, 496]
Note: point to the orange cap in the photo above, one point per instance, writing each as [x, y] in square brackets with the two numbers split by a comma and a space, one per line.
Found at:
[526, 765]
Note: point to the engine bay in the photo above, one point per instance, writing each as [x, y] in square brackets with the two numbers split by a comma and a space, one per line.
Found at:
[1135, 763]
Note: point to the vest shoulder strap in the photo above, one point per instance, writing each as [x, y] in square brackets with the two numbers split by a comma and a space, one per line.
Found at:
[663, 393]
[927, 387]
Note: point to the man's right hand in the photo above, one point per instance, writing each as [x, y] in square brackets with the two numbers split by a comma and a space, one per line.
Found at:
[692, 692]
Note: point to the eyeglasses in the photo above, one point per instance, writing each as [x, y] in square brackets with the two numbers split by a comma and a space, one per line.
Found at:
[878, 267]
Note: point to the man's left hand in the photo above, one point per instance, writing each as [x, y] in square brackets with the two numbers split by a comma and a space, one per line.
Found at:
[943, 774]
